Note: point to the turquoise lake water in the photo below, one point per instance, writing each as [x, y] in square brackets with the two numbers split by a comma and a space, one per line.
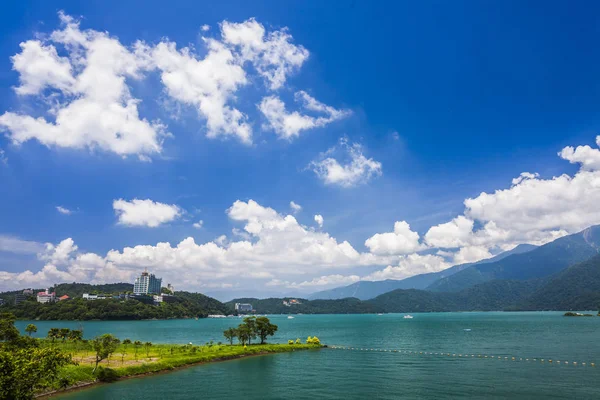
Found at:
[355, 374]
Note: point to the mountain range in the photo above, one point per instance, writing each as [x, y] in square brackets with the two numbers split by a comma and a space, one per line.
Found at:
[365, 290]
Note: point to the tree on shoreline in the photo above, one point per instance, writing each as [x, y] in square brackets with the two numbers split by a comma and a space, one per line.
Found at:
[31, 328]
[264, 328]
[104, 346]
[136, 345]
[250, 329]
[230, 334]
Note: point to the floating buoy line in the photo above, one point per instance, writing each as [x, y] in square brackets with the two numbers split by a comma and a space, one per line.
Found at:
[547, 361]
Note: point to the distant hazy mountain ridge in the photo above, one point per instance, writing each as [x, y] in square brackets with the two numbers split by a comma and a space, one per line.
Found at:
[366, 290]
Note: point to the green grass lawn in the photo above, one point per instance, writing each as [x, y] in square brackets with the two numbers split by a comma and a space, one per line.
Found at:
[130, 360]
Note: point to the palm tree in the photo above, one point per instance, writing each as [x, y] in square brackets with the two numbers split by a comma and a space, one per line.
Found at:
[147, 345]
[64, 333]
[54, 333]
[31, 328]
[136, 345]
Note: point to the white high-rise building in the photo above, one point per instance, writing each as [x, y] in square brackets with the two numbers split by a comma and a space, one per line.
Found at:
[147, 284]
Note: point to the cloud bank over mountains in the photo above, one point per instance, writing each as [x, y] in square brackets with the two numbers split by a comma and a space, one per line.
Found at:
[276, 250]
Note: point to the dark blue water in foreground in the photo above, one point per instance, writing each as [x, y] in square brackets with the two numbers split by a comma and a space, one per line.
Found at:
[334, 374]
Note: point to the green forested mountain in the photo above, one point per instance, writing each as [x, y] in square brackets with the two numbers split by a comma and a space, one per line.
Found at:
[341, 306]
[488, 296]
[365, 290]
[576, 288]
[541, 262]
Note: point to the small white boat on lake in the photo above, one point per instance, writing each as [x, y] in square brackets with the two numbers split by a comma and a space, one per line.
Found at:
[408, 316]
[290, 317]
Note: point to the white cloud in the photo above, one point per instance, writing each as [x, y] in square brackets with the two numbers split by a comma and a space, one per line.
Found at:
[3, 158]
[524, 176]
[319, 220]
[470, 254]
[358, 169]
[83, 76]
[409, 265]
[532, 210]
[40, 67]
[198, 225]
[401, 241]
[319, 282]
[205, 28]
[278, 248]
[95, 108]
[64, 210]
[273, 55]
[296, 208]
[11, 244]
[145, 212]
[208, 84]
[288, 125]
[586, 156]
[455, 233]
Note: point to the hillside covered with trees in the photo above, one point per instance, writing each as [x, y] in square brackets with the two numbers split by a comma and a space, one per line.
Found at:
[182, 305]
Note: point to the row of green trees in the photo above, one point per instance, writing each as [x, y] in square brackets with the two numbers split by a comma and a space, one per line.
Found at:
[250, 329]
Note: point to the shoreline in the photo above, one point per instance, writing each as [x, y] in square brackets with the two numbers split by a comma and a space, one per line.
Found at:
[87, 385]
[595, 312]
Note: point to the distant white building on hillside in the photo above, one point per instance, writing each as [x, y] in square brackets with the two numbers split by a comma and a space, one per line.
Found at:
[147, 284]
[243, 307]
[46, 297]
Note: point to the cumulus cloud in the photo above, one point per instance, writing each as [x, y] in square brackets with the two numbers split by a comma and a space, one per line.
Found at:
[208, 84]
[455, 233]
[64, 210]
[296, 208]
[145, 212]
[532, 210]
[588, 157]
[357, 170]
[319, 220]
[273, 55]
[95, 107]
[277, 247]
[84, 78]
[401, 241]
[288, 125]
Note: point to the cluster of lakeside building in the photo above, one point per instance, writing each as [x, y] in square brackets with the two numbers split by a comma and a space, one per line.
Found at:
[145, 285]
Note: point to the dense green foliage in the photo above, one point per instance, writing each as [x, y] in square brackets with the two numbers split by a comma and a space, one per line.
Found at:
[576, 288]
[488, 296]
[24, 366]
[183, 305]
[341, 306]
[539, 263]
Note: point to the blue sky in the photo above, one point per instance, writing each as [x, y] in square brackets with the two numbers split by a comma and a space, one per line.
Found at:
[436, 102]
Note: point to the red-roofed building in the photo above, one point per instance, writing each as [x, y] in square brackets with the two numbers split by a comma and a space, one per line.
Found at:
[65, 297]
[46, 297]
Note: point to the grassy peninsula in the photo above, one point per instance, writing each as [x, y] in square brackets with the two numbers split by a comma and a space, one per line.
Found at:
[64, 360]
[124, 362]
